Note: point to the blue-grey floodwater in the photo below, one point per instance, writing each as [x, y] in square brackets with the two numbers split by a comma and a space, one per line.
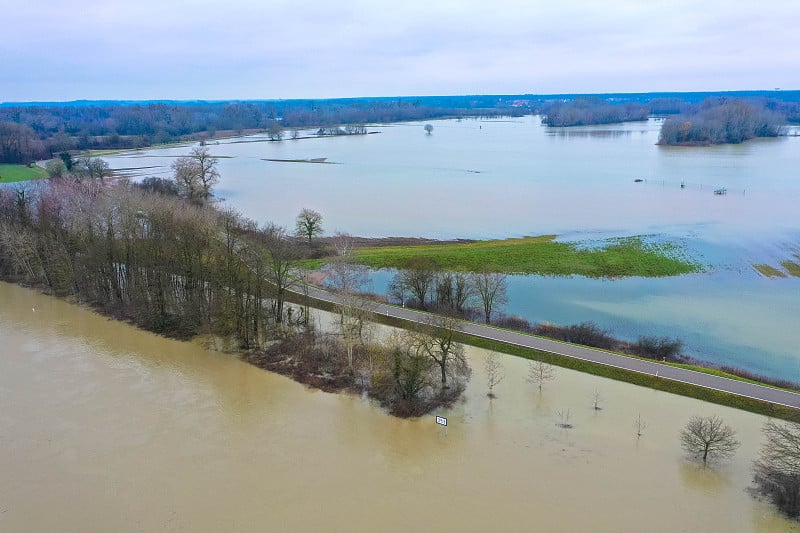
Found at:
[504, 178]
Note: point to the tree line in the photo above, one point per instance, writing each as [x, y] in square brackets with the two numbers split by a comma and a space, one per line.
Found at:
[422, 284]
[159, 261]
[32, 132]
[586, 111]
[722, 120]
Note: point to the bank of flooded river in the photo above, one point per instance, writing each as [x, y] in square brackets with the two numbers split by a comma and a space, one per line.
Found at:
[105, 427]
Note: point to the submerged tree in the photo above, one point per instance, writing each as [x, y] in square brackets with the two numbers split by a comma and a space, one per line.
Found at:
[495, 372]
[540, 373]
[196, 175]
[438, 343]
[776, 473]
[639, 424]
[709, 437]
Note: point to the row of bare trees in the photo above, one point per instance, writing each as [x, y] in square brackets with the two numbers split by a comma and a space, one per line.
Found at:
[424, 285]
[165, 264]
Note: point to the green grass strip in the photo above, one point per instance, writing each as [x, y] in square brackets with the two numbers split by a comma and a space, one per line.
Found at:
[541, 255]
[14, 173]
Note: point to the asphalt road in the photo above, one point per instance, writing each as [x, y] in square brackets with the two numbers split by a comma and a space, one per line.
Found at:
[700, 379]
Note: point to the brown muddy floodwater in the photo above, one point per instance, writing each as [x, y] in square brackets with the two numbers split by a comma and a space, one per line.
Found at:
[107, 428]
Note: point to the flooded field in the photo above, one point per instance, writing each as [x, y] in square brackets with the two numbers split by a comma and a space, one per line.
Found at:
[107, 428]
[505, 178]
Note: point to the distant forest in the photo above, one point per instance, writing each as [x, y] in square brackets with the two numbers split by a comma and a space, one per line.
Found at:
[722, 121]
[593, 110]
[34, 131]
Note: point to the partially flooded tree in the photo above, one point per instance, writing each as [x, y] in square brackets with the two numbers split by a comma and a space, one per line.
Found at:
[776, 473]
[709, 437]
[639, 424]
[308, 224]
[438, 343]
[495, 372]
[491, 289]
[275, 131]
[564, 416]
[402, 379]
[596, 400]
[540, 373]
[196, 174]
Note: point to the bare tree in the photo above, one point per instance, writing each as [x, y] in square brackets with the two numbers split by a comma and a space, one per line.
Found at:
[98, 168]
[491, 289]
[417, 277]
[709, 436]
[196, 174]
[596, 399]
[275, 131]
[55, 168]
[343, 243]
[345, 276]
[639, 425]
[776, 473]
[495, 372]
[280, 273]
[349, 279]
[454, 290]
[90, 167]
[353, 324]
[308, 224]
[397, 290]
[564, 415]
[540, 373]
[438, 343]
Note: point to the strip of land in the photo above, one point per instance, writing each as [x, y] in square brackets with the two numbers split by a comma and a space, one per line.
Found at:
[542, 255]
[717, 389]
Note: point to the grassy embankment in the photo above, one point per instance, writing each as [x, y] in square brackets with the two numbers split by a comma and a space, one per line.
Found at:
[13, 173]
[618, 374]
[542, 255]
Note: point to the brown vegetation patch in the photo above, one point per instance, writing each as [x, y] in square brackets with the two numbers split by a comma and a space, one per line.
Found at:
[300, 358]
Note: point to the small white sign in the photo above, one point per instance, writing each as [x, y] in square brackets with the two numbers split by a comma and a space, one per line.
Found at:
[442, 421]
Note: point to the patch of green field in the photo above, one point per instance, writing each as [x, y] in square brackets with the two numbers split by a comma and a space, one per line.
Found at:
[541, 255]
[14, 173]
[792, 267]
[768, 271]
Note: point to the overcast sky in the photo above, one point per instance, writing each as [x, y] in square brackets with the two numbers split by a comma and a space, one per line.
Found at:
[55, 50]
